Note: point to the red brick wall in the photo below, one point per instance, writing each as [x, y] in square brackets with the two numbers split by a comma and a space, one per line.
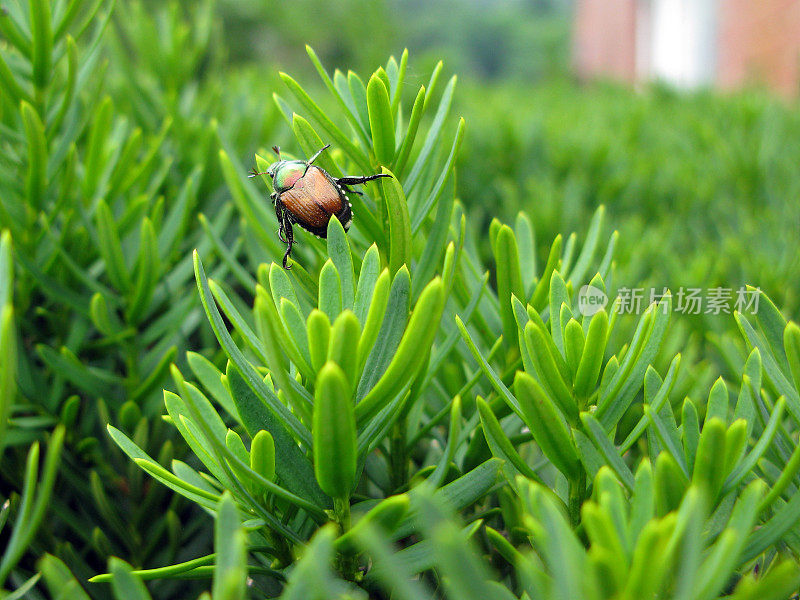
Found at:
[605, 38]
[759, 40]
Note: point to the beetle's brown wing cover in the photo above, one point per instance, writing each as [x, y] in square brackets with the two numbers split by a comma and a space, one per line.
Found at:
[313, 199]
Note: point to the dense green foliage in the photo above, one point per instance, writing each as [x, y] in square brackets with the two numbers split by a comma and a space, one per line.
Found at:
[418, 408]
[693, 183]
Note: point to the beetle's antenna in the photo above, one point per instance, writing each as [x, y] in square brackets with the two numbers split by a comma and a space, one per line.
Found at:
[256, 173]
[277, 150]
[320, 151]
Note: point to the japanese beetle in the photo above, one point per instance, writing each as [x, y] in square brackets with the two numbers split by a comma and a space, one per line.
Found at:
[308, 196]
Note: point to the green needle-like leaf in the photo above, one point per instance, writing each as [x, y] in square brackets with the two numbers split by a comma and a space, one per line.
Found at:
[230, 544]
[552, 370]
[339, 252]
[509, 279]
[380, 120]
[367, 280]
[294, 469]
[42, 35]
[345, 334]
[547, 426]
[500, 444]
[399, 226]
[318, 327]
[125, 583]
[386, 322]
[419, 334]
[540, 293]
[709, 467]
[330, 290]
[334, 431]
[791, 344]
[36, 183]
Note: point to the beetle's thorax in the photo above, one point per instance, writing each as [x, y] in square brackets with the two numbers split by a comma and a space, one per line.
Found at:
[313, 199]
[286, 173]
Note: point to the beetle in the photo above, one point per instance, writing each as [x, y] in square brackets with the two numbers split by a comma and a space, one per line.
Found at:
[307, 195]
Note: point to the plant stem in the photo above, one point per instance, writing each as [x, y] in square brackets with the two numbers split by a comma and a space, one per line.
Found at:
[577, 489]
[399, 456]
[347, 565]
[341, 508]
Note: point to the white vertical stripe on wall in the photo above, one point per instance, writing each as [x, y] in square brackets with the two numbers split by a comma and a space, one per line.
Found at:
[683, 41]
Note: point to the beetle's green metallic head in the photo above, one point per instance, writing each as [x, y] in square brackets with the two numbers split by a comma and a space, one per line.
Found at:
[285, 173]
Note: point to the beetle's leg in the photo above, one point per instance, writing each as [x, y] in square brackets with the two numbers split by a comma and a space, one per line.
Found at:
[350, 190]
[320, 151]
[255, 173]
[359, 179]
[289, 241]
[279, 213]
[279, 216]
[273, 196]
